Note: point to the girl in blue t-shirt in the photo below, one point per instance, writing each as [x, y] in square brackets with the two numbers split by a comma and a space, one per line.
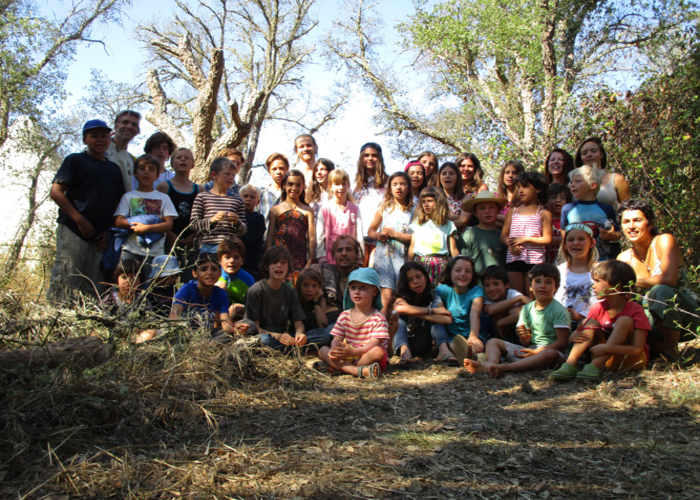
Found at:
[465, 300]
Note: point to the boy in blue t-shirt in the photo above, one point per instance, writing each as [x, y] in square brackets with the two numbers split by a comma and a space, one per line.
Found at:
[203, 303]
[87, 189]
[236, 281]
[599, 216]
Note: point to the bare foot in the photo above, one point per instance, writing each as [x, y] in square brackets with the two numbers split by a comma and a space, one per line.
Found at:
[475, 366]
[495, 371]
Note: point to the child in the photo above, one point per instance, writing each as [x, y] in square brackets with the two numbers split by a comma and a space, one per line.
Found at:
[254, 237]
[124, 296]
[465, 301]
[599, 216]
[394, 218]
[145, 212]
[161, 284]
[558, 195]
[236, 156]
[543, 328]
[87, 189]
[277, 165]
[483, 241]
[527, 230]
[416, 172]
[306, 149]
[472, 174]
[236, 281]
[292, 223]
[274, 307]
[433, 238]
[161, 146]
[422, 317]
[336, 217]
[429, 160]
[450, 180]
[182, 192]
[502, 304]
[313, 302]
[204, 304]
[361, 334]
[215, 215]
[317, 191]
[579, 252]
[615, 330]
[507, 188]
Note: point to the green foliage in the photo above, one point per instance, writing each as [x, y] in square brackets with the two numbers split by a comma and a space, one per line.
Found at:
[652, 137]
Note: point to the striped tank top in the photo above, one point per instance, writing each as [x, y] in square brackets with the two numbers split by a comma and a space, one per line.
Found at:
[527, 225]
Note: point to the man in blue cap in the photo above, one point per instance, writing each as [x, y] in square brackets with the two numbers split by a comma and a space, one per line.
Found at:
[87, 189]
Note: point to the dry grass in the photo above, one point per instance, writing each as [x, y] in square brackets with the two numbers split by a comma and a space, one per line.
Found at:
[188, 419]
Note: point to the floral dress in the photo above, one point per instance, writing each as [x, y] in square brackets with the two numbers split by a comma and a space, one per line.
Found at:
[292, 232]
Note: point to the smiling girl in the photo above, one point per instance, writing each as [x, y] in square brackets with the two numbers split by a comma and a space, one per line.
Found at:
[451, 182]
[472, 174]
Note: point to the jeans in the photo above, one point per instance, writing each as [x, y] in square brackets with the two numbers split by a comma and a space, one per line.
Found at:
[437, 332]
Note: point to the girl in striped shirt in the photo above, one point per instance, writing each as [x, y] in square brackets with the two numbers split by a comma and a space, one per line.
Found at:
[527, 230]
[361, 334]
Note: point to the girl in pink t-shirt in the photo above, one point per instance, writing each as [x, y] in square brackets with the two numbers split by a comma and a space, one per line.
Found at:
[336, 217]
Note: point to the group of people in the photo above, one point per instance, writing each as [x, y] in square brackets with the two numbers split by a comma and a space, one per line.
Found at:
[425, 260]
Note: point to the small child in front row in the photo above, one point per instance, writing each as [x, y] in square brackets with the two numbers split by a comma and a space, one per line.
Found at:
[361, 334]
[615, 331]
[433, 240]
[502, 304]
[203, 303]
[543, 328]
[309, 288]
[527, 230]
[236, 281]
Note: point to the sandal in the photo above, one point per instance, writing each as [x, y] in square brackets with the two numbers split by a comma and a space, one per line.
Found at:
[565, 373]
[462, 349]
[372, 372]
[448, 360]
[589, 373]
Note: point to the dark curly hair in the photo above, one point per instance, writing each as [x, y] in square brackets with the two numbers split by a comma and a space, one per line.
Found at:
[537, 181]
[644, 207]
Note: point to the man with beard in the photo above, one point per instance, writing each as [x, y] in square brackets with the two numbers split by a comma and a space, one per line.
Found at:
[126, 127]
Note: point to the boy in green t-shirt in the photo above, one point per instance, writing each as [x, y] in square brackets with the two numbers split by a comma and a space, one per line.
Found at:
[483, 242]
[236, 281]
[543, 328]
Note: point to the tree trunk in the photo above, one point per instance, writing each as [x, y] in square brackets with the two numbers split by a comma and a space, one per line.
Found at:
[83, 350]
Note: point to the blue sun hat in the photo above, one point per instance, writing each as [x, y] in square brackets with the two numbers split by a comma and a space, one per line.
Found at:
[368, 276]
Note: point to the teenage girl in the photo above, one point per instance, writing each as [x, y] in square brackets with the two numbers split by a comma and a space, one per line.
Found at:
[527, 230]
[450, 181]
[370, 182]
[429, 160]
[433, 239]
[506, 187]
[317, 191]
[416, 172]
[422, 316]
[338, 216]
[291, 223]
[390, 228]
[557, 166]
[465, 300]
[472, 174]
[579, 255]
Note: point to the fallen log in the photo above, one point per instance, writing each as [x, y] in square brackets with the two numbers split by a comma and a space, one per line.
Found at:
[82, 350]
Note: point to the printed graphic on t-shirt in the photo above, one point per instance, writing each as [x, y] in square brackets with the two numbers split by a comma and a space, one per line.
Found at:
[145, 206]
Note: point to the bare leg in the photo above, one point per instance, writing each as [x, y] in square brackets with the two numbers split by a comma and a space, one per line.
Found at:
[406, 352]
[517, 281]
[621, 334]
[579, 348]
[545, 357]
[387, 302]
[495, 348]
[444, 351]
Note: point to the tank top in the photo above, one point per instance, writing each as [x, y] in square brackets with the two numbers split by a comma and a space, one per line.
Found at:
[183, 204]
[607, 193]
[527, 225]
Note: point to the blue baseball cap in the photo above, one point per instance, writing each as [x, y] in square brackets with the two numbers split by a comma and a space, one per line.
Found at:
[91, 124]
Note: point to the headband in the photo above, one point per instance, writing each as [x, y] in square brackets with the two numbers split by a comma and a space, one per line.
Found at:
[372, 145]
[582, 227]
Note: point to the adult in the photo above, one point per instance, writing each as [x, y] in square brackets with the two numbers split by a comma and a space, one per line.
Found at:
[472, 174]
[658, 262]
[306, 150]
[614, 188]
[161, 146]
[557, 166]
[416, 172]
[346, 252]
[429, 160]
[126, 127]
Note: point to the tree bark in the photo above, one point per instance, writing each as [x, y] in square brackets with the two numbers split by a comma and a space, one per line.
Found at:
[84, 350]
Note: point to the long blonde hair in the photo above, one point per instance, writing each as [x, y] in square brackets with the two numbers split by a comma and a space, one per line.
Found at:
[441, 214]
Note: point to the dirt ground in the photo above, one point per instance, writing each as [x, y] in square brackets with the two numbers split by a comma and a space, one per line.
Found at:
[170, 421]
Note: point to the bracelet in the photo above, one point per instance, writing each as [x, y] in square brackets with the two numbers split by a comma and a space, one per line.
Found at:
[430, 311]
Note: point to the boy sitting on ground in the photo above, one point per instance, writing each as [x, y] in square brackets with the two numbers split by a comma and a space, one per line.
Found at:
[615, 331]
[502, 304]
[234, 280]
[543, 328]
[361, 334]
[205, 305]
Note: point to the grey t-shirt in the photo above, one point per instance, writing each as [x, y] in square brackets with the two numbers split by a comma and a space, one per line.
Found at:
[273, 309]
